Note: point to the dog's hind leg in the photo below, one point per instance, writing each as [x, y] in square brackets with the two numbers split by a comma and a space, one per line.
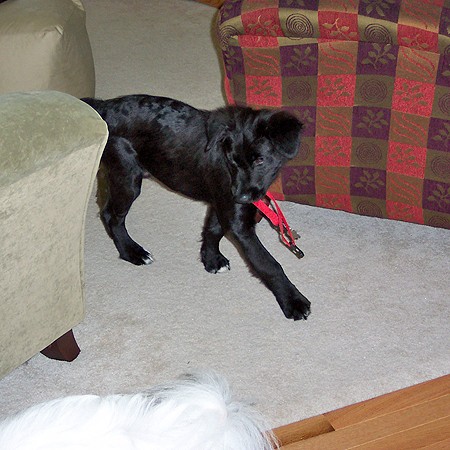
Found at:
[124, 180]
[211, 257]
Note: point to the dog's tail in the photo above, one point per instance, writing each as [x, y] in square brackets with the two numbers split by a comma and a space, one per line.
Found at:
[199, 413]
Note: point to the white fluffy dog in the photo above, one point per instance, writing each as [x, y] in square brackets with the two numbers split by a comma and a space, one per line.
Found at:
[195, 413]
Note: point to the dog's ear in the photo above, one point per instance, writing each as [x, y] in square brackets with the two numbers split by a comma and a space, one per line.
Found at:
[284, 130]
[217, 138]
[217, 130]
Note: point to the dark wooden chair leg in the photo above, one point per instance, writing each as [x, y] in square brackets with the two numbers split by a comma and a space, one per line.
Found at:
[65, 348]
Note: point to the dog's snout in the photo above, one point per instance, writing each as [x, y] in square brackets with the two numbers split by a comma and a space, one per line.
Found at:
[244, 198]
[249, 196]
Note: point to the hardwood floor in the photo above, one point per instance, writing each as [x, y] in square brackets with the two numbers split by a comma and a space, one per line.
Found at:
[412, 418]
[216, 3]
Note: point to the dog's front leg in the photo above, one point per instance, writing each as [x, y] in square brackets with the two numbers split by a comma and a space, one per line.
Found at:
[212, 259]
[293, 304]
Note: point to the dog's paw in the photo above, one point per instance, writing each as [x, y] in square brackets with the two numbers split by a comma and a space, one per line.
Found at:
[216, 264]
[296, 307]
[137, 256]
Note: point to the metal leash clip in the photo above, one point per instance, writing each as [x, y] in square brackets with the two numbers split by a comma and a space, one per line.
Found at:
[289, 237]
[296, 251]
[286, 234]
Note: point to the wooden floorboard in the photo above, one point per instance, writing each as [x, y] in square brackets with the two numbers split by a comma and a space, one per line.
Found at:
[414, 417]
[216, 3]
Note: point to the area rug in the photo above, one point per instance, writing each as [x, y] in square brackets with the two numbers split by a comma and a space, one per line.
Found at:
[379, 289]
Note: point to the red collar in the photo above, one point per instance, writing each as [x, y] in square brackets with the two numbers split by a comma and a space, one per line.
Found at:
[276, 216]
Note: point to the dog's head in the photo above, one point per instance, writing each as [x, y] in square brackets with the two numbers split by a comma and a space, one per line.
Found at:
[255, 145]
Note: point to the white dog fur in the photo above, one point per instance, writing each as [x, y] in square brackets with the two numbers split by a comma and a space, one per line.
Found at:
[195, 413]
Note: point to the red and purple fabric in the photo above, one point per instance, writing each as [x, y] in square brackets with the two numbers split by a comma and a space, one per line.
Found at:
[370, 81]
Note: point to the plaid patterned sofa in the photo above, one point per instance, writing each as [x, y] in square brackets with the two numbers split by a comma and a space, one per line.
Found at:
[370, 79]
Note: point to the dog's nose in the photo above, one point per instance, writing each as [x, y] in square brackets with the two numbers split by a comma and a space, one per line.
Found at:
[244, 198]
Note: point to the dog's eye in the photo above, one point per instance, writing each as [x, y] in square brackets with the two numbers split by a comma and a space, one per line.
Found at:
[258, 161]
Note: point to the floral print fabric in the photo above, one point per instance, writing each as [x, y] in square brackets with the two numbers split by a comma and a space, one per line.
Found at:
[370, 79]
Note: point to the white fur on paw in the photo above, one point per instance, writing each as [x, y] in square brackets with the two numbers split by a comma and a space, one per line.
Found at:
[224, 269]
[148, 260]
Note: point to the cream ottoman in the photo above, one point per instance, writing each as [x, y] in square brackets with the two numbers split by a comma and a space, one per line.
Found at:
[44, 45]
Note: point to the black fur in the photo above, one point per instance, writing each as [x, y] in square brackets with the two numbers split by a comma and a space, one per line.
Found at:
[227, 158]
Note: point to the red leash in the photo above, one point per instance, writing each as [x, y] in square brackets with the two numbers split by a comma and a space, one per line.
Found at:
[287, 235]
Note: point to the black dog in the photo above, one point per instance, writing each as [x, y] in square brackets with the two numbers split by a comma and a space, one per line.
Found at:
[227, 158]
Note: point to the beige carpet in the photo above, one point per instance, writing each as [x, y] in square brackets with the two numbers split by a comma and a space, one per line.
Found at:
[379, 289]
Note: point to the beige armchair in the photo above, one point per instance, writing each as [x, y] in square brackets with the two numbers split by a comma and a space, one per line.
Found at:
[50, 147]
[47, 166]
